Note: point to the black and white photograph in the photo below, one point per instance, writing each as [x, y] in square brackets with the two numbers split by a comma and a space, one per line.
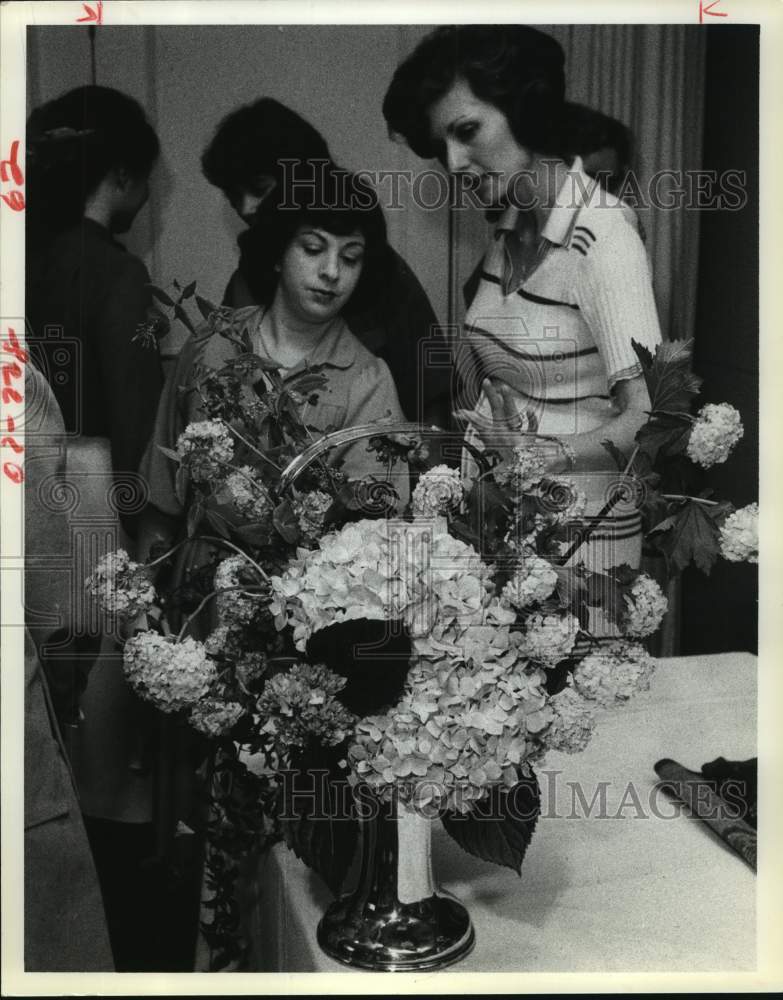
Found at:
[383, 397]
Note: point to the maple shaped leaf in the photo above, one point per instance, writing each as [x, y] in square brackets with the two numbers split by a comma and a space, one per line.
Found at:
[668, 375]
[693, 537]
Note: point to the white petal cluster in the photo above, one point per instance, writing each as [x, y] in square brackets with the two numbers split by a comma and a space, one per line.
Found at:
[717, 429]
[249, 495]
[525, 470]
[438, 491]
[645, 606]
[205, 447]
[534, 581]
[548, 639]
[573, 723]
[383, 571]
[301, 704]
[122, 588]
[172, 675]
[613, 673]
[739, 535]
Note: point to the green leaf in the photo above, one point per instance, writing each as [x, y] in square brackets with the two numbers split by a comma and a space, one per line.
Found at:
[188, 291]
[286, 522]
[205, 307]
[665, 433]
[194, 517]
[256, 534]
[668, 375]
[219, 524]
[161, 296]
[169, 453]
[500, 827]
[693, 537]
[183, 317]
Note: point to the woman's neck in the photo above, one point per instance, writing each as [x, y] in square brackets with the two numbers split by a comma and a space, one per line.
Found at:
[547, 175]
[288, 338]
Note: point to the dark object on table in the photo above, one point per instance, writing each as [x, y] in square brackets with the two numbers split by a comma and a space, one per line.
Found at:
[722, 816]
[736, 781]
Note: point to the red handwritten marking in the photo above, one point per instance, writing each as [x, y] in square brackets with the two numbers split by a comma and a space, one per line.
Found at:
[11, 372]
[14, 199]
[92, 14]
[707, 9]
[14, 472]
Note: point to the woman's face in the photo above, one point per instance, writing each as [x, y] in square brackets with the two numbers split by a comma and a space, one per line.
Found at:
[476, 140]
[319, 272]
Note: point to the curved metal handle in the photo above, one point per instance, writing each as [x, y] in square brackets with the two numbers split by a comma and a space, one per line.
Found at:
[349, 435]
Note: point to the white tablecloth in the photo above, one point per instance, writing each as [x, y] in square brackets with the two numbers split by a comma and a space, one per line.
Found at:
[627, 891]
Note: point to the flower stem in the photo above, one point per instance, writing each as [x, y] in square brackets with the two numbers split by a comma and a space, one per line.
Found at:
[255, 450]
[680, 496]
[203, 602]
[235, 548]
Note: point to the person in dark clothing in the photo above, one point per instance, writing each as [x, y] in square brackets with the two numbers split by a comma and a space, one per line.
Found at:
[90, 153]
[253, 151]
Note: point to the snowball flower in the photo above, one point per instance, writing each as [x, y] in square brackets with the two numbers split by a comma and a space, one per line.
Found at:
[739, 535]
[205, 447]
[715, 432]
[438, 491]
[171, 675]
[533, 581]
[214, 717]
[549, 639]
[572, 726]
[122, 588]
[613, 672]
[561, 499]
[249, 495]
[645, 607]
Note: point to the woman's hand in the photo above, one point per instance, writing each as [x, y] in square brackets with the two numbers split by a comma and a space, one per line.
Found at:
[502, 431]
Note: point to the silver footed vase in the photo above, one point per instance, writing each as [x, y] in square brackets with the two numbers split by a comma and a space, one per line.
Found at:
[396, 919]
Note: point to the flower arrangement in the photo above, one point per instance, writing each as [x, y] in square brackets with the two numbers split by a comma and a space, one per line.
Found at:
[432, 657]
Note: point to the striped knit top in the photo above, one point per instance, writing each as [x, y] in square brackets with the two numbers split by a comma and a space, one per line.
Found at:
[561, 338]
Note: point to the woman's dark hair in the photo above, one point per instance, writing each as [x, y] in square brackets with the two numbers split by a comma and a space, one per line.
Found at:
[516, 68]
[326, 197]
[73, 142]
[251, 140]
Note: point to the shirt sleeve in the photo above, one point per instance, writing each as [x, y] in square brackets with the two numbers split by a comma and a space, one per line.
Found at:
[615, 294]
[130, 371]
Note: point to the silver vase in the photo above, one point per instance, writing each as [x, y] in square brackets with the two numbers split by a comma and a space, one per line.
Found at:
[396, 919]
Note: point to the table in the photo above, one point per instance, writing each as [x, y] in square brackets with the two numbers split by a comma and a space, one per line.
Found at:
[630, 890]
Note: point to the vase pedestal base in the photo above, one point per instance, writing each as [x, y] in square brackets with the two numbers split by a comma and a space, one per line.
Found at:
[428, 934]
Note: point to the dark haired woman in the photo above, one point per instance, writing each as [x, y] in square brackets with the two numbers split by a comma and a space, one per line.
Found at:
[90, 155]
[565, 285]
[91, 152]
[565, 282]
[309, 259]
[254, 150]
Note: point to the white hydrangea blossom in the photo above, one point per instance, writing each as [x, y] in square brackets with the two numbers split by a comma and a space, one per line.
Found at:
[645, 606]
[614, 672]
[438, 491]
[205, 447]
[121, 588]
[739, 535]
[562, 500]
[214, 717]
[573, 723]
[172, 675]
[717, 429]
[249, 495]
[548, 639]
[533, 581]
